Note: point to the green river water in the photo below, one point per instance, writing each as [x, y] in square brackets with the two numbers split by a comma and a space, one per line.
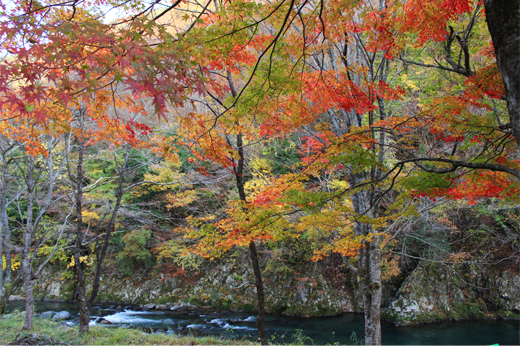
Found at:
[346, 328]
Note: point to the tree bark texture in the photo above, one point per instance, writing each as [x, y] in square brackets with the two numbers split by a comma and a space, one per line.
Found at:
[239, 178]
[503, 19]
[260, 318]
[372, 292]
[27, 242]
[369, 264]
[84, 310]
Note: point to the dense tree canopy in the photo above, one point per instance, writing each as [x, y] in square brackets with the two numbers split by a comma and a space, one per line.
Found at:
[334, 119]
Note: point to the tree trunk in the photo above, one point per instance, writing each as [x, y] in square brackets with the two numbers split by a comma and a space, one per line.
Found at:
[9, 287]
[27, 242]
[29, 297]
[369, 270]
[84, 311]
[260, 318]
[372, 292]
[503, 19]
[239, 178]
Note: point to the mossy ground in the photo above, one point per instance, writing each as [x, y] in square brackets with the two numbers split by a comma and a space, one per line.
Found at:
[51, 332]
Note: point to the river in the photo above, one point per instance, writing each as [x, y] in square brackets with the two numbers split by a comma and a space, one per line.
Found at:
[343, 329]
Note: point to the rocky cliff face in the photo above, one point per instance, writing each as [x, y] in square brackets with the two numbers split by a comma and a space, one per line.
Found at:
[430, 293]
[436, 292]
[226, 285]
[461, 268]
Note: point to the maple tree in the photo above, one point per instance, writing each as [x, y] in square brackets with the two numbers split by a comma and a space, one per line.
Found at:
[119, 137]
[391, 101]
[344, 82]
[32, 170]
[62, 56]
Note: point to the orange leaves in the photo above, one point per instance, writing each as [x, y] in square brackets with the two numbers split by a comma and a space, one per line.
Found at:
[475, 185]
[210, 139]
[327, 90]
[487, 81]
[381, 28]
[484, 185]
[270, 193]
[237, 56]
[59, 61]
[429, 18]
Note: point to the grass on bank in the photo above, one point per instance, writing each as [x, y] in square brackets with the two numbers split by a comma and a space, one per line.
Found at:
[51, 332]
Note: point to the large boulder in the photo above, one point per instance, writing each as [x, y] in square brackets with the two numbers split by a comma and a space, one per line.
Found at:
[47, 314]
[439, 293]
[62, 315]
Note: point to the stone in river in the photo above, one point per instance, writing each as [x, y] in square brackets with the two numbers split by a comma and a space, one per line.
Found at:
[62, 315]
[47, 314]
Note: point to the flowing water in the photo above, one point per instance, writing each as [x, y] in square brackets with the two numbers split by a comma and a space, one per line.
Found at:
[343, 329]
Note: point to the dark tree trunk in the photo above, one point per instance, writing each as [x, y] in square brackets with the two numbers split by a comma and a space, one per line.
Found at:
[101, 249]
[260, 318]
[239, 178]
[369, 269]
[503, 19]
[84, 310]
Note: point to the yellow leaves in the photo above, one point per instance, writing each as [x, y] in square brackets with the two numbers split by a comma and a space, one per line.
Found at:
[409, 83]
[181, 199]
[261, 167]
[89, 216]
[389, 268]
[338, 184]
[88, 260]
[165, 172]
[14, 264]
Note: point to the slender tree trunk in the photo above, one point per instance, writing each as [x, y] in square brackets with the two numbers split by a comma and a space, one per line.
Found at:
[27, 275]
[29, 296]
[260, 318]
[84, 310]
[28, 237]
[100, 255]
[239, 178]
[369, 270]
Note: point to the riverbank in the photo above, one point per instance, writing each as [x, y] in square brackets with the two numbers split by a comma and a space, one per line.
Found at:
[341, 329]
[50, 332]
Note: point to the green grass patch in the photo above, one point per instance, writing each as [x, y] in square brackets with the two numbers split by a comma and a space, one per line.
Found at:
[49, 331]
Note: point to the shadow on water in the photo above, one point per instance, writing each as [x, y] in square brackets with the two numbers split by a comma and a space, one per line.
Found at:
[343, 329]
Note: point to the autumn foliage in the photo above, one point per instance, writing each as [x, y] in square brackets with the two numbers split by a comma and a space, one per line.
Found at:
[386, 104]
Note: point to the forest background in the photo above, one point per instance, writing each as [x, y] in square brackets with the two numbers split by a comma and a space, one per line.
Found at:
[162, 135]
